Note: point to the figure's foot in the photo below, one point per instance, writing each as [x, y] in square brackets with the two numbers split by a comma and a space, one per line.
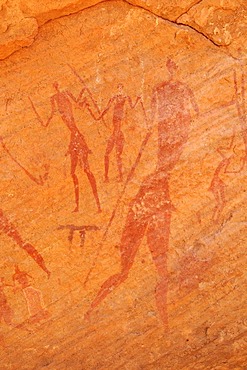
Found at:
[106, 179]
[76, 209]
[99, 210]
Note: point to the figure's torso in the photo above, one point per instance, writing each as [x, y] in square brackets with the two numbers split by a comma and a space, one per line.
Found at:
[64, 107]
[172, 98]
[118, 110]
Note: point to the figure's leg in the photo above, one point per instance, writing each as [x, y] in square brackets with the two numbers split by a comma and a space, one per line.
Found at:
[220, 201]
[119, 151]
[132, 236]
[158, 241]
[10, 230]
[109, 148]
[8, 315]
[74, 162]
[92, 181]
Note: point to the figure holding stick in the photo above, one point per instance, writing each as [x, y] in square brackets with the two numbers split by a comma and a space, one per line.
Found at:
[150, 210]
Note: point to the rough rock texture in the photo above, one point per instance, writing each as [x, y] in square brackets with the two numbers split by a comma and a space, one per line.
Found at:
[149, 271]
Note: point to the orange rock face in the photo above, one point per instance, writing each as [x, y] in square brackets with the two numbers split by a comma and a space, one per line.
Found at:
[123, 206]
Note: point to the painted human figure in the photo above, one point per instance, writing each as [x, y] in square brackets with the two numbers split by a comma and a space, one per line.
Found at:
[78, 148]
[217, 186]
[116, 140]
[6, 313]
[33, 296]
[10, 230]
[150, 210]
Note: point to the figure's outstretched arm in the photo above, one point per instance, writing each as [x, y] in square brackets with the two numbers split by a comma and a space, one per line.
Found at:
[233, 171]
[220, 148]
[131, 104]
[53, 107]
[102, 113]
[107, 108]
[76, 100]
[40, 181]
[85, 104]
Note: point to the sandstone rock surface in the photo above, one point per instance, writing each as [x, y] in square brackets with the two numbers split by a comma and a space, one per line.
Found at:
[123, 192]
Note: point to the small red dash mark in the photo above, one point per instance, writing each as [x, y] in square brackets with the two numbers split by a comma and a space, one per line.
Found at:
[150, 210]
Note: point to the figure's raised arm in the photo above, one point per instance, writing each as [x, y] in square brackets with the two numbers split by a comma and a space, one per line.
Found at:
[39, 181]
[53, 107]
[76, 100]
[85, 104]
[100, 114]
[131, 104]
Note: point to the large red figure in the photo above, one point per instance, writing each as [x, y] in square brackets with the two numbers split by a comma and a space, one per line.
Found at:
[150, 210]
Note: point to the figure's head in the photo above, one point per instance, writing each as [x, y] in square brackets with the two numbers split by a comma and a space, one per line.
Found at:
[55, 85]
[120, 88]
[171, 66]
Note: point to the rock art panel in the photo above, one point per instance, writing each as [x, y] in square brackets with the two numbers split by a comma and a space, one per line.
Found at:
[123, 158]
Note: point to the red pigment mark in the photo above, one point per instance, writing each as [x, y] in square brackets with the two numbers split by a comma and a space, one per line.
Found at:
[217, 186]
[116, 140]
[82, 231]
[33, 296]
[193, 266]
[150, 210]
[6, 313]
[78, 149]
[241, 108]
[10, 230]
[42, 178]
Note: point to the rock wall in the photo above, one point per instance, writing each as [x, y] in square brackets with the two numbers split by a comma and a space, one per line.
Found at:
[123, 192]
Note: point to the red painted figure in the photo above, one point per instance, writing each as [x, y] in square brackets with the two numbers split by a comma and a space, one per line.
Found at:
[116, 139]
[150, 210]
[78, 148]
[6, 313]
[217, 186]
[10, 230]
